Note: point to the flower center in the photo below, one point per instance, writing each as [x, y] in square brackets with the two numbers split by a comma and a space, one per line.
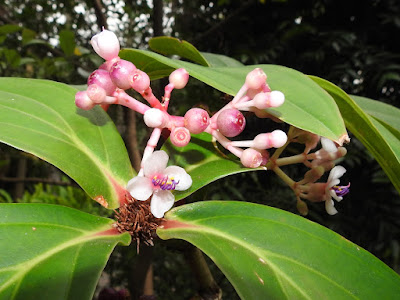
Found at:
[341, 190]
[164, 182]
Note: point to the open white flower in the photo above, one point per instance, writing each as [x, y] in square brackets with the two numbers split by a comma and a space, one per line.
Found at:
[320, 191]
[159, 180]
[332, 190]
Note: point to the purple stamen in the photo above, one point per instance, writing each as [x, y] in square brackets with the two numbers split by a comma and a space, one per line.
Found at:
[341, 190]
[165, 183]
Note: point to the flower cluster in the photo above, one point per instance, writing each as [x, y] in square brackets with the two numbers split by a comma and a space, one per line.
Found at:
[156, 181]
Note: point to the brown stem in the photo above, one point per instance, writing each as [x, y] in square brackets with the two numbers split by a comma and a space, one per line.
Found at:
[131, 140]
[21, 173]
[208, 288]
[101, 17]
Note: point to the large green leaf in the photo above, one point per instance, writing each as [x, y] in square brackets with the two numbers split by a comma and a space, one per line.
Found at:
[383, 145]
[203, 162]
[385, 113]
[52, 252]
[268, 253]
[40, 117]
[307, 106]
[167, 45]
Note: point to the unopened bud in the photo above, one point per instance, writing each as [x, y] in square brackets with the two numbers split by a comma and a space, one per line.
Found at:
[179, 78]
[180, 136]
[140, 81]
[231, 122]
[96, 93]
[251, 158]
[274, 139]
[255, 79]
[154, 117]
[196, 120]
[102, 79]
[121, 73]
[106, 44]
[83, 101]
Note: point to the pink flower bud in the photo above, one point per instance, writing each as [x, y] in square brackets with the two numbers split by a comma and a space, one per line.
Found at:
[154, 117]
[265, 100]
[231, 122]
[179, 78]
[121, 73]
[96, 93]
[107, 65]
[251, 158]
[106, 44]
[196, 120]
[255, 79]
[275, 139]
[140, 81]
[83, 101]
[102, 79]
[180, 136]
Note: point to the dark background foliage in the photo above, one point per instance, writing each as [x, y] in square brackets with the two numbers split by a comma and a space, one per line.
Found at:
[351, 43]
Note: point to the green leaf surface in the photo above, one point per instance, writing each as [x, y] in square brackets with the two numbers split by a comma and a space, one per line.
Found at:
[218, 60]
[382, 144]
[203, 162]
[40, 117]
[385, 113]
[52, 252]
[307, 106]
[268, 253]
[172, 46]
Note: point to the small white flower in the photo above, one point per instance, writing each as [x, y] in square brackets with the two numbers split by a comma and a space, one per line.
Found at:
[106, 44]
[159, 180]
[332, 190]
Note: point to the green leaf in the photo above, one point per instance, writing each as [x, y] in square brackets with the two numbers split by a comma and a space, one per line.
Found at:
[202, 162]
[385, 113]
[67, 42]
[382, 144]
[218, 60]
[40, 117]
[52, 252]
[172, 46]
[307, 106]
[9, 28]
[268, 253]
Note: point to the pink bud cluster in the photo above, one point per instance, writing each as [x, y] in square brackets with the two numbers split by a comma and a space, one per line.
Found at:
[108, 84]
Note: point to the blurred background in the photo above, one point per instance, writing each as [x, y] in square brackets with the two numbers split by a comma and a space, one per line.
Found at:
[353, 44]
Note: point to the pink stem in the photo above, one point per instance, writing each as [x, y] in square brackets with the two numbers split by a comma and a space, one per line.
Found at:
[151, 144]
[124, 99]
[151, 99]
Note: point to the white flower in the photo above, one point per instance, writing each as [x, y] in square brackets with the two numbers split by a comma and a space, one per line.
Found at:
[159, 180]
[320, 191]
[106, 44]
[332, 190]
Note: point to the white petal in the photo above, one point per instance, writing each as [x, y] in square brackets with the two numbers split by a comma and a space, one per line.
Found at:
[179, 174]
[330, 208]
[334, 196]
[328, 145]
[155, 164]
[336, 173]
[140, 188]
[161, 202]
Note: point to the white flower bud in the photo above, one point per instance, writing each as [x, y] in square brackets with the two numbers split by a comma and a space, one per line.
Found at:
[154, 118]
[106, 44]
